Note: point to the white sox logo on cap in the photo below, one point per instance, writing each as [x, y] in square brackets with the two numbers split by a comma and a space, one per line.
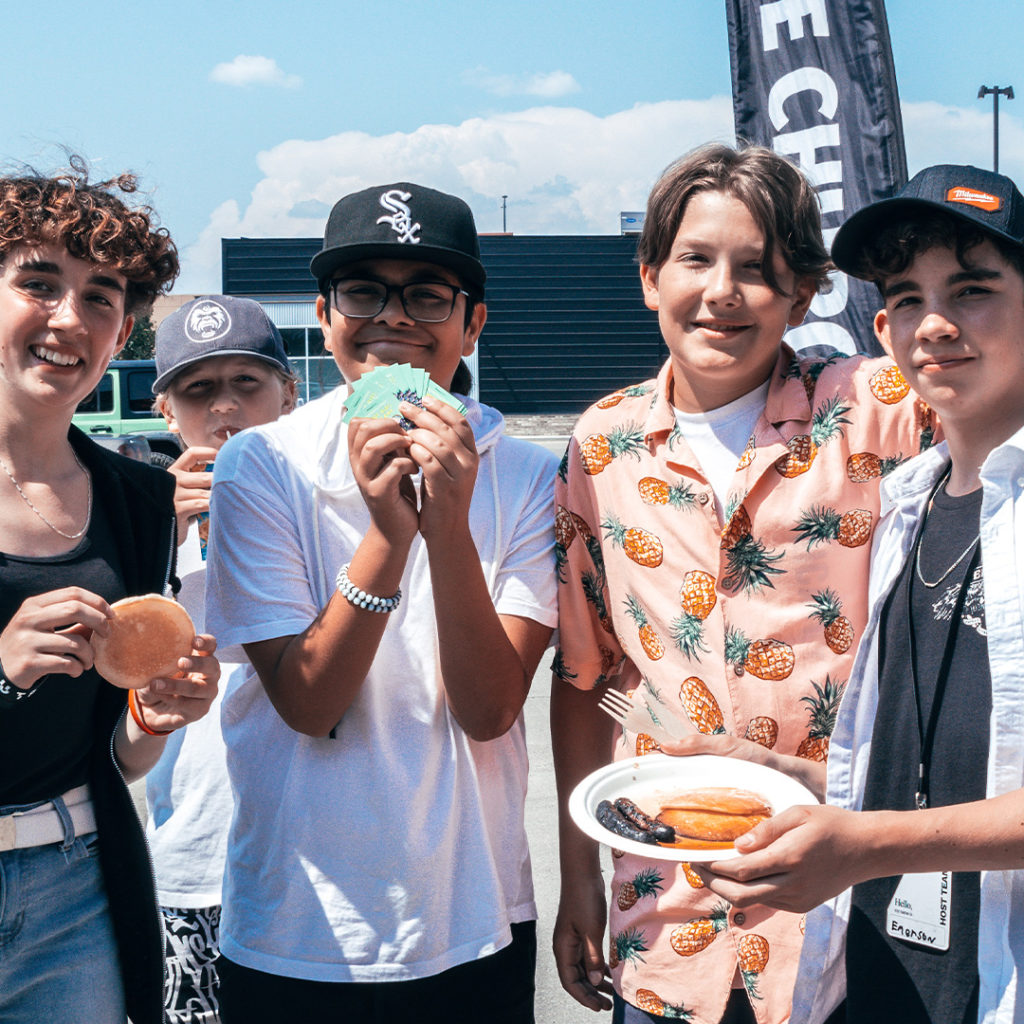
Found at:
[207, 321]
[401, 216]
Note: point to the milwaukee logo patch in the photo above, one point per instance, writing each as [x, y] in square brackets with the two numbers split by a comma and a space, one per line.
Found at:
[972, 197]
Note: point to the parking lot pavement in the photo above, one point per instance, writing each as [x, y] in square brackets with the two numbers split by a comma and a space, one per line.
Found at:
[554, 1005]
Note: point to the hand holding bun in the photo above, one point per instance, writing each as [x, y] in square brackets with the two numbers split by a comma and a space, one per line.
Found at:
[148, 635]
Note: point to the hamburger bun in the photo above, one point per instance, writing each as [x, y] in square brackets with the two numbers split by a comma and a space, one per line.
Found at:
[714, 815]
[148, 635]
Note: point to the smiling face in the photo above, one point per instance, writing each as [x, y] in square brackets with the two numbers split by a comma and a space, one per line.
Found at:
[361, 345]
[62, 319]
[957, 334]
[721, 320]
[215, 398]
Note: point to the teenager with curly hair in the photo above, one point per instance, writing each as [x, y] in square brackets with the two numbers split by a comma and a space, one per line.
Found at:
[82, 527]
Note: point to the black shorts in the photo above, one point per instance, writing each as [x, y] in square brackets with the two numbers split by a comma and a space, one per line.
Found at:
[498, 989]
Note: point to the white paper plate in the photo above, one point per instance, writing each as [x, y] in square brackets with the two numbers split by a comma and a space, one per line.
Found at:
[652, 779]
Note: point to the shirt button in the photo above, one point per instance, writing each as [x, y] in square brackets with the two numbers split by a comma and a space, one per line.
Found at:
[740, 918]
[702, 498]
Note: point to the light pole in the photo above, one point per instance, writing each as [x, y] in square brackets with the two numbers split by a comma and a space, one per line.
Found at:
[504, 217]
[995, 92]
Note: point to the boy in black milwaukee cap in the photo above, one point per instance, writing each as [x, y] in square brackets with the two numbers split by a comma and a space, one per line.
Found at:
[925, 844]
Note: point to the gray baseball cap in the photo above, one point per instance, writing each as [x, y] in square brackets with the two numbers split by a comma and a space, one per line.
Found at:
[215, 325]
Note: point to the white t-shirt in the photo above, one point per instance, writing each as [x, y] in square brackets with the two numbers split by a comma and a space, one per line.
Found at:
[188, 792]
[397, 848]
[717, 437]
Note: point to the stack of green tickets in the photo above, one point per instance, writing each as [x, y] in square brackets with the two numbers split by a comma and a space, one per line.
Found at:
[377, 394]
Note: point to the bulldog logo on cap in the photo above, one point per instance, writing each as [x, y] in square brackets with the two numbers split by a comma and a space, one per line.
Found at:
[207, 321]
[401, 216]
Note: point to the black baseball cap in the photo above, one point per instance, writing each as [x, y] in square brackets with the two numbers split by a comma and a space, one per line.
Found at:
[215, 325]
[989, 200]
[402, 221]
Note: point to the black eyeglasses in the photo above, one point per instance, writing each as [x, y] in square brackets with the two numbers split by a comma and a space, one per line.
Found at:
[427, 302]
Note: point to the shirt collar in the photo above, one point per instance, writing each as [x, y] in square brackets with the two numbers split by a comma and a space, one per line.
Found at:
[787, 397]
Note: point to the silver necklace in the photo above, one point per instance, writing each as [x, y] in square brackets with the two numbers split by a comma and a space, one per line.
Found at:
[966, 551]
[28, 500]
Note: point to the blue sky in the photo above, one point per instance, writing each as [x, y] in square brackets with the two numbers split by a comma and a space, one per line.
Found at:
[251, 118]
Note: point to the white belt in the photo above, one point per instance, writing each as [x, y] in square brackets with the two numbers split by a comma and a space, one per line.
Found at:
[43, 825]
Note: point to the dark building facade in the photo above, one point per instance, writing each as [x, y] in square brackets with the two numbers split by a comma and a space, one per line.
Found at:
[566, 319]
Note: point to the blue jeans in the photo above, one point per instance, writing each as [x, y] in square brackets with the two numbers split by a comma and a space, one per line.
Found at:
[58, 958]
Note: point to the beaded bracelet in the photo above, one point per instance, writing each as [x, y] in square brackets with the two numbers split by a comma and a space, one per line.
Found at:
[361, 599]
[133, 707]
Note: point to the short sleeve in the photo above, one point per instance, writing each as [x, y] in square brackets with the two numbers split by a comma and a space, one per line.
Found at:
[525, 582]
[588, 651]
[257, 583]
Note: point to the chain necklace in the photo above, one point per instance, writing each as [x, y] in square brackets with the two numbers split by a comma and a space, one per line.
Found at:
[966, 551]
[28, 500]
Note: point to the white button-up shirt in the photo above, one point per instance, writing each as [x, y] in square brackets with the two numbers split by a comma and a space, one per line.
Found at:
[821, 984]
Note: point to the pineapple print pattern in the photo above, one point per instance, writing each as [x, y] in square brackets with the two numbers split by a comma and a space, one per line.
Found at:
[690, 938]
[649, 639]
[752, 951]
[697, 598]
[731, 626]
[889, 386]
[864, 466]
[655, 491]
[692, 878]
[828, 610]
[641, 546]
[822, 719]
[766, 659]
[627, 947]
[644, 883]
[751, 565]
[598, 450]
[821, 524]
[763, 730]
[650, 1002]
[826, 424]
[701, 707]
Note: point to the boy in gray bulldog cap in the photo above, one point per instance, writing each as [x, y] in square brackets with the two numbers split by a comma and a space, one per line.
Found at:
[221, 367]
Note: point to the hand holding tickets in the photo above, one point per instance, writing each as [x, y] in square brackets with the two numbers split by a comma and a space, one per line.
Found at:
[377, 394]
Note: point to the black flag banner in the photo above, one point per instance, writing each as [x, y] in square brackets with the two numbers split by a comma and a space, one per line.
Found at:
[814, 80]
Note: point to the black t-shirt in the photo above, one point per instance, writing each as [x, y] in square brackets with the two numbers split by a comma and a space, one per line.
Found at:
[46, 738]
[889, 979]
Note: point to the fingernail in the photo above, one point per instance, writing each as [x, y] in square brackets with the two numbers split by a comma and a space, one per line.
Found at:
[594, 977]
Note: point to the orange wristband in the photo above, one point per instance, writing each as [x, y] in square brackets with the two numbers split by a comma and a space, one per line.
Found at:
[136, 713]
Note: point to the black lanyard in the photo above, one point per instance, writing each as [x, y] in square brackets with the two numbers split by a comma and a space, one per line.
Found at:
[926, 734]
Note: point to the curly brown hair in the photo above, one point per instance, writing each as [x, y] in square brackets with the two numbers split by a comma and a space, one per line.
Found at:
[894, 246]
[778, 196]
[94, 223]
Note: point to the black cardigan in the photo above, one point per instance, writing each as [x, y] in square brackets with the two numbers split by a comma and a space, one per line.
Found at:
[138, 501]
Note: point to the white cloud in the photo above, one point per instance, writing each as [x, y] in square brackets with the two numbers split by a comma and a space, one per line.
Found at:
[253, 70]
[547, 85]
[938, 134]
[564, 170]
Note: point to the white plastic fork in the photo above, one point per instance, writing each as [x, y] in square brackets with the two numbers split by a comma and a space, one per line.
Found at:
[633, 719]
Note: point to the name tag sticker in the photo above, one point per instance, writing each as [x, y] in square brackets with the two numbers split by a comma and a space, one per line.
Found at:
[920, 908]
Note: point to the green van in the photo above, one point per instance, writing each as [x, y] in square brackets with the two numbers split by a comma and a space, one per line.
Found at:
[123, 404]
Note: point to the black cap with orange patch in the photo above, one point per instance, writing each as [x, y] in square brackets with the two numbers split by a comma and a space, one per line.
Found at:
[989, 200]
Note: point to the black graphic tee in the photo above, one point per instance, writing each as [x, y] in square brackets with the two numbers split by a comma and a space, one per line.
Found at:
[887, 978]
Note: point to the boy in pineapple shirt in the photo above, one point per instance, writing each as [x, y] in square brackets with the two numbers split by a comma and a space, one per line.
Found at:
[713, 531]
[922, 837]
